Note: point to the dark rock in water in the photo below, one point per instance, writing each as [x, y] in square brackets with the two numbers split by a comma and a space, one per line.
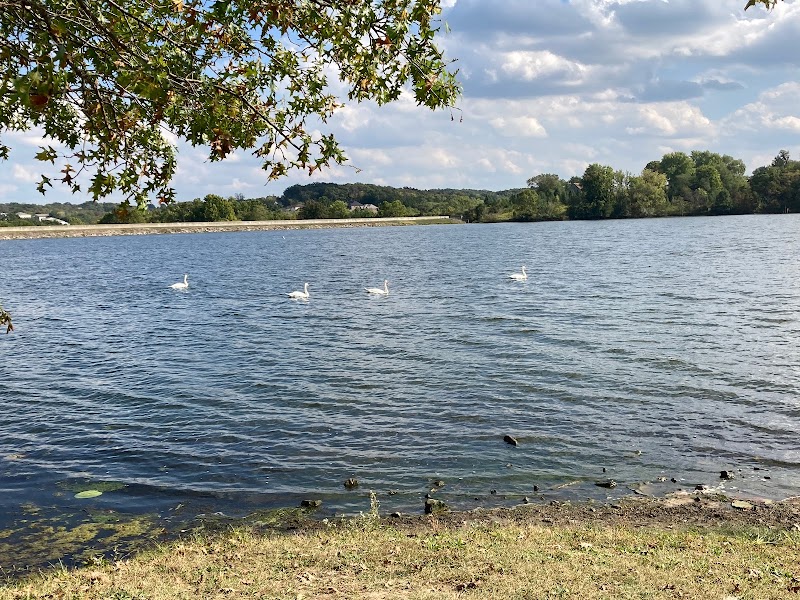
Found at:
[701, 487]
[536, 488]
[310, 503]
[509, 439]
[526, 500]
[428, 496]
[492, 492]
[438, 483]
[433, 506]
[661, 479]
[609, 483]
[351, 483]
[673, 480]
[393, 492]
[604, 469]
[726, 475]
[396, 515]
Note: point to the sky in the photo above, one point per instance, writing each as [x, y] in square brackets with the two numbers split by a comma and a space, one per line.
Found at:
[550, 86]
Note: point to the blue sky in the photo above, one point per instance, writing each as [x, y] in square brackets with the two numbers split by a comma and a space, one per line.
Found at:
[549, 87]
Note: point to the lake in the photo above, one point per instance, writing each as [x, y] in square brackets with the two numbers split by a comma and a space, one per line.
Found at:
[636, 350]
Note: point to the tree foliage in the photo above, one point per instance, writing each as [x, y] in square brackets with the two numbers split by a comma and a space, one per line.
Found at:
[770, 4]
[105, 79]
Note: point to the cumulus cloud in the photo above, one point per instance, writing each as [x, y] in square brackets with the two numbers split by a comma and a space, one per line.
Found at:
[519, 126]
[25, 174]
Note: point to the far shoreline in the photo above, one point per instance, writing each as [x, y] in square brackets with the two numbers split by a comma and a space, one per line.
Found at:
[82, 231]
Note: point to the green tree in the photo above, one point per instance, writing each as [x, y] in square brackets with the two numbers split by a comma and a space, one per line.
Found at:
[395, 208]
[526, 205]
[707, 179]
[104, 78]
[679, 169]
[312, 209]
[216, 208]
[337, 210]
[776, 188]
[648, 194]
[599, 194]
[553, 194]
[124, 213]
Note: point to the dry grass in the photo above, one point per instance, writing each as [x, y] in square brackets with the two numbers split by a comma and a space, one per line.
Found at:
[469, 559]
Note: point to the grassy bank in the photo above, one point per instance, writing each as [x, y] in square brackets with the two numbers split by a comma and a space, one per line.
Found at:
[645, 549]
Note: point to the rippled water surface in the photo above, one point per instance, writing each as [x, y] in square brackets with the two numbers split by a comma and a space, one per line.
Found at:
[649, 348]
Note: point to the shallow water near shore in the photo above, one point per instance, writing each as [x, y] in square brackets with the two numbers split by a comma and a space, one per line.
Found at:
[649, 348]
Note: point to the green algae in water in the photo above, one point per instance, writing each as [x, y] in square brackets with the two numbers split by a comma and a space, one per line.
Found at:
[65, 539]
[89, 484]
[89, 494]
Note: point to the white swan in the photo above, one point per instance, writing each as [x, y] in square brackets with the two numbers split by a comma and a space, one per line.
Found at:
[519, 276]
[384, 291]
[300, 295]
[181, 285]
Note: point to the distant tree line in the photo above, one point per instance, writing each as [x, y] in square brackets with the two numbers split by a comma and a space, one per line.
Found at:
[210, 208]
[698, 183]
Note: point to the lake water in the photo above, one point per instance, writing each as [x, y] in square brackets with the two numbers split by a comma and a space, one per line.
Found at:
[651, 348]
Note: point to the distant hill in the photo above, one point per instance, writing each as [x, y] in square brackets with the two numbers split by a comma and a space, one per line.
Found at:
[87, 213]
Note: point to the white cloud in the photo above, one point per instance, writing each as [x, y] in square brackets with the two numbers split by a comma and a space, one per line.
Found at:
[531, 65]
[525, 126]
[774, 109]
[7, 189]
[26, 175]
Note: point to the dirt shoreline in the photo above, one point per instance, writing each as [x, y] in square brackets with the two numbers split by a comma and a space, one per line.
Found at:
[675, 510]
[77, 231]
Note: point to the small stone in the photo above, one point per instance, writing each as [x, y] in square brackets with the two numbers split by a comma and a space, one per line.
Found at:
[493, 492]
[609, 483]
[526, 500]
[536, 488]
[438, 483]
[433, 506]
[396, 515]
[310, 503]
[741, 505]
[510, 439]
[393, 492]
[351, 483]
[673, 480]
[726, 475]
[701, 487]
[604, 469]
[661, 479]
[767, 477]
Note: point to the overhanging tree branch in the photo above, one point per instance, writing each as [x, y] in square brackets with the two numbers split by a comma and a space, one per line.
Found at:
[104, 78]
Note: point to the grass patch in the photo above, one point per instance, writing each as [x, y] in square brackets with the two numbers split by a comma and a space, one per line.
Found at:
[369, 558]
